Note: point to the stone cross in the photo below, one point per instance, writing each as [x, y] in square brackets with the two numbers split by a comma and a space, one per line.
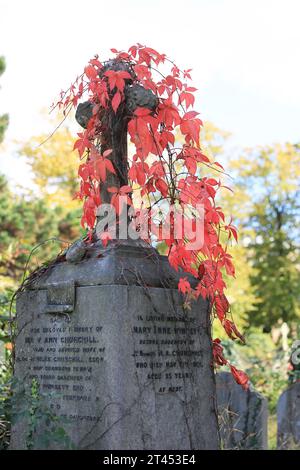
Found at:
[113, 135]
[114, 125]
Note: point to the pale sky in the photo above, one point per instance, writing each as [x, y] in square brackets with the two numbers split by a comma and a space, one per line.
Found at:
[244, 55]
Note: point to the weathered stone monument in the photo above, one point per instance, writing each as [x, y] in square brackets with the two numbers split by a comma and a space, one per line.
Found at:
[105, 329]
[288, 418]
[242, 414]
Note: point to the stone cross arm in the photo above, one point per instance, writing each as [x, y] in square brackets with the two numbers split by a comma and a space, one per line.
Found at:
[135, 96]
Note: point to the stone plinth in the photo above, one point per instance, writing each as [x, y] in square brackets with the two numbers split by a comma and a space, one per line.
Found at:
[130, 368]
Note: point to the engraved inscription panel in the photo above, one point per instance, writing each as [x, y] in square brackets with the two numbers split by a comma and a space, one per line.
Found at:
[62, 358]
[124, 368]
[167, 350]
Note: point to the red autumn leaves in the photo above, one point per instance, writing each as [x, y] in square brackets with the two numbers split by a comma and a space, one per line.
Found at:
[96, 167]
[161, 169]
[190, 127]
[120, 197]
[116, 79]
[92, 173]
[83, 143]
[219, 359]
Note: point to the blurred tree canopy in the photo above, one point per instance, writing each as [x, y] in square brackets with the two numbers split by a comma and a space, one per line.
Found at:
[25, 222]
[269, 178]
[54, 166]
[3, 117]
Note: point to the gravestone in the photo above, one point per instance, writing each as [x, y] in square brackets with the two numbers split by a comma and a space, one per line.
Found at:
[131, 369]
[288, 418]
[243, 415]
[104, 334]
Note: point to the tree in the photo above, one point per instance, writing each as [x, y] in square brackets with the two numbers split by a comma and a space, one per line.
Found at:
[54, 166]
[277, 263]
[4, 117]
[25, 222]
[269, 178]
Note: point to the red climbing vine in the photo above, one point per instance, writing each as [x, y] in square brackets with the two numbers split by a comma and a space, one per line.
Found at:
[167, 169]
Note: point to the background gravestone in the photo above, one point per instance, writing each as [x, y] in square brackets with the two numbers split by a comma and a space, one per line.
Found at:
[242, 415]
[129, 367]
[288, 418]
